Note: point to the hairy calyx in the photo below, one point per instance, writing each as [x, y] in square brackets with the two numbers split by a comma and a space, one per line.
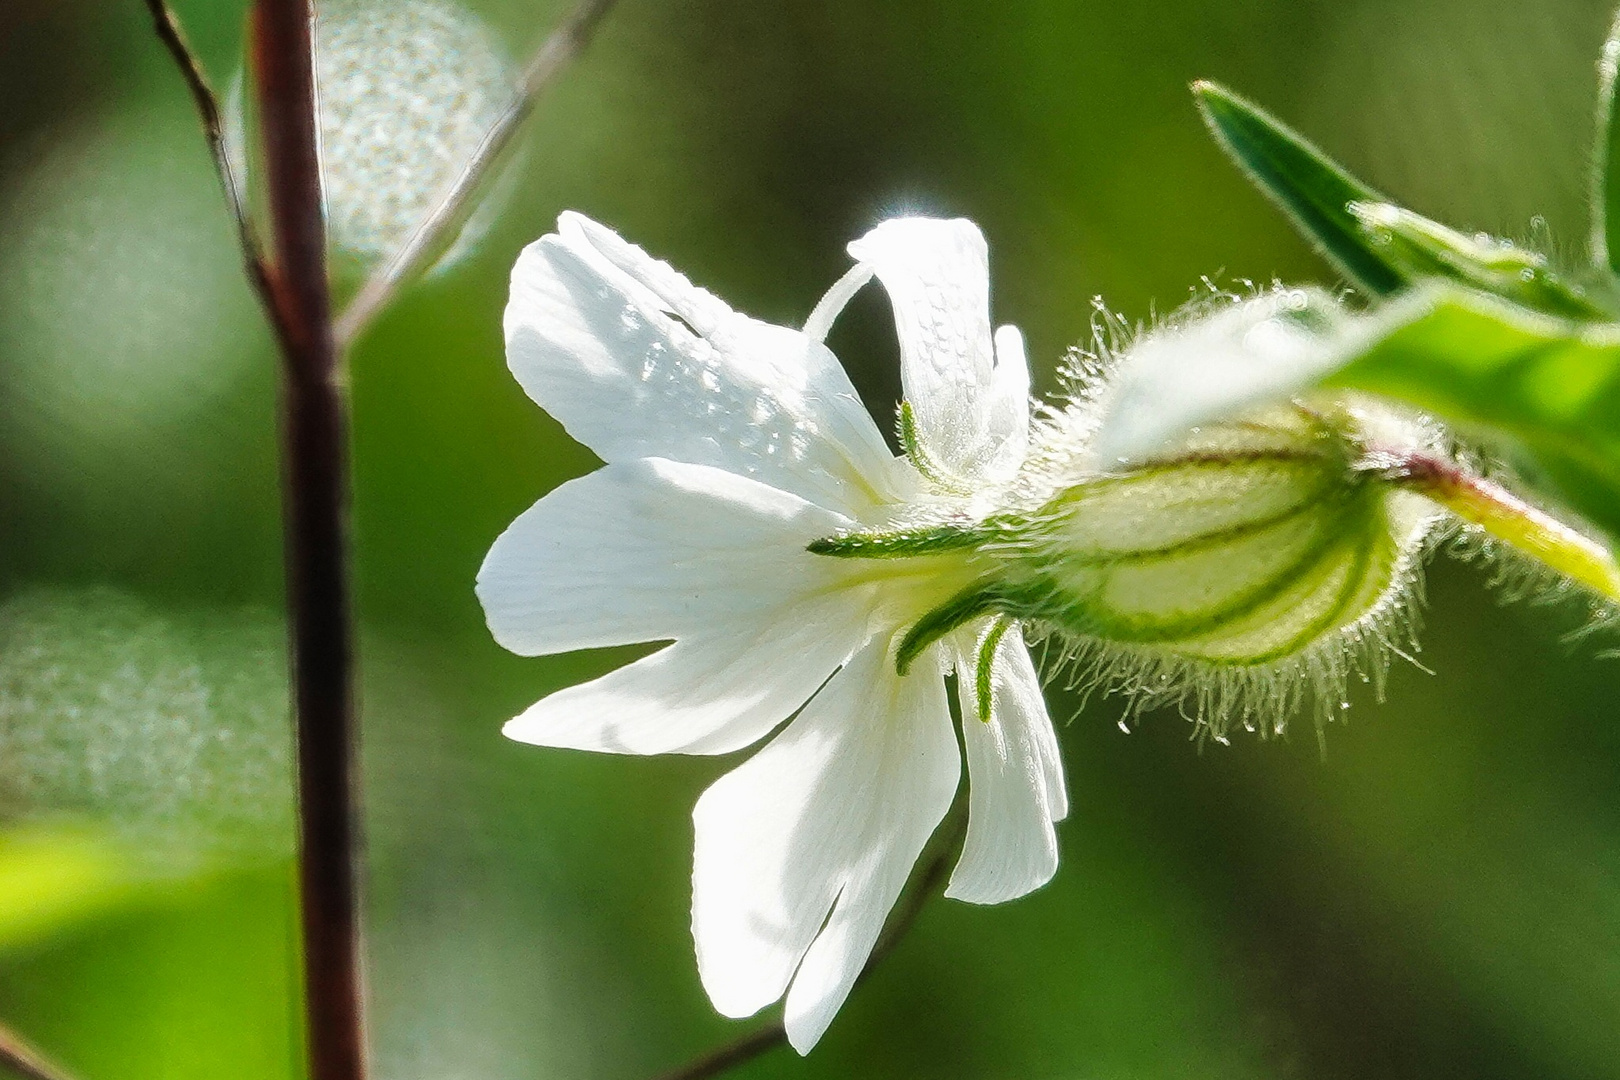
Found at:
[1248, 546]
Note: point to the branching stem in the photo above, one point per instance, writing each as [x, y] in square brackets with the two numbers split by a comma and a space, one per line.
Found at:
[172, 35]
[315, 463]
[564, 43]
[315, 479]
[292, 284]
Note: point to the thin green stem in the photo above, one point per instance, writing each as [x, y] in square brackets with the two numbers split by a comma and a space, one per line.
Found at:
[1507, 518]
[21, 1058]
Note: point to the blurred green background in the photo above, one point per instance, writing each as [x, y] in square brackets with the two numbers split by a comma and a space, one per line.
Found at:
[1438, 896]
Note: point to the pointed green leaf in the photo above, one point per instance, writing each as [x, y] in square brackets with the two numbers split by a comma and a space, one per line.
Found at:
[1380, 246]
[1606, 182]
[1308, 186]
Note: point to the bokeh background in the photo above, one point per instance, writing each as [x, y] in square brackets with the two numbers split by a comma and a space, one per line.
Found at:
[1438, 895]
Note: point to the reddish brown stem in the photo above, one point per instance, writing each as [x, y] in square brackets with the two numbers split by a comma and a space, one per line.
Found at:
[316, 481]
[173, 36]
[22, 1059]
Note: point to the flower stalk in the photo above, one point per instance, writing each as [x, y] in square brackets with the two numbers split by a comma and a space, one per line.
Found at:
[1509, 519]
[315, 461]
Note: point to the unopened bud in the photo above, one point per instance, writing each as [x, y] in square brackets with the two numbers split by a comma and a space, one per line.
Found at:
[1263, 557]
[1246, 543]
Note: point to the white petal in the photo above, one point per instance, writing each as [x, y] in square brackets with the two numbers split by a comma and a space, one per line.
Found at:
[1007, 405]
[831, 305]
[828, 818]
[637, 362]
[1015, 780]
[708, 694]
[648, 550]
[937, 274]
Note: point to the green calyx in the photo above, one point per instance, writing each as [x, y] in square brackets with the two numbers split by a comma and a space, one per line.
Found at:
[1246, 544]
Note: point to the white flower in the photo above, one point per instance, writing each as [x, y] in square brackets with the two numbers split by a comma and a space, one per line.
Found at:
[731, 445]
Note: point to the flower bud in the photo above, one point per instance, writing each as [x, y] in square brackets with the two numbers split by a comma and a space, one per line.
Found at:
[1250, 562]
[1245, 544]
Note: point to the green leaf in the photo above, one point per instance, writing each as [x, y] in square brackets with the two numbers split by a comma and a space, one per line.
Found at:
[1427, 249]
[1472, 360]
[1606, 181]
[54, 876]
[1313, 190]
[58, 874]
[1380, 246]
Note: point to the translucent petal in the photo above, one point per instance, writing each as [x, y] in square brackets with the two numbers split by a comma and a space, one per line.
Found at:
[1015, 779]
[707, 694]
[938, 278]
[1007, 406]
[649, 550]
[802, 850]
[637, 362]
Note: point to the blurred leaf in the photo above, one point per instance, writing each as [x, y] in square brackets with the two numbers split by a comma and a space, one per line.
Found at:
[196, 982]
[54, 876]
[1377, 244]
[1606, 180]
[1473, 360]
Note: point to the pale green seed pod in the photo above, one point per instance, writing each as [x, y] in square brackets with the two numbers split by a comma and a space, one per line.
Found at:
[1246, 543]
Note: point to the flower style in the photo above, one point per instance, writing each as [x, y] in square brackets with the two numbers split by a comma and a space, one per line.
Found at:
[733, 448]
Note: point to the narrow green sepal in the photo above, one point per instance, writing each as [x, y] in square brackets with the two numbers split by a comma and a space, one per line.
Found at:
[1307, 185]
[1606, 178]
[962, 608]
[899, 543]
[984, 669]
[911, 442]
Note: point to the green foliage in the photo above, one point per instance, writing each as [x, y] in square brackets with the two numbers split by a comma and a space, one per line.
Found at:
[1311, 189]
[1606, 180]
[1489, 339]
[1380, 246]
[51, 878]
[1482, 363]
